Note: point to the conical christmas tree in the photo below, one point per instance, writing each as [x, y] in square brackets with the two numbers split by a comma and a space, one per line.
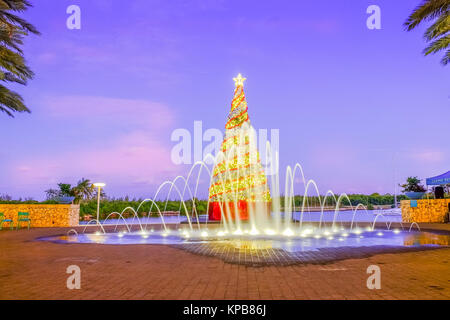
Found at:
[239, 183]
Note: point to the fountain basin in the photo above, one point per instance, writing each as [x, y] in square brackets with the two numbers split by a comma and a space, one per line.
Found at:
[293, 241]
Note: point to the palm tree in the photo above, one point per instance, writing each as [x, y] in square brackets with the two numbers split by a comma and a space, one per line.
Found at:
[83, 190]
[438, 34]
[13, 67]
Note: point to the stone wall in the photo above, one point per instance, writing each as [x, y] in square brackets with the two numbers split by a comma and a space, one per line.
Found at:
[426, 210]
[44, 215]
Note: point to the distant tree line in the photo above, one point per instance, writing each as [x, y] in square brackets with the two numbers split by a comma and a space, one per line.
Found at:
[109, 205]
[85, 194]
[355, 199]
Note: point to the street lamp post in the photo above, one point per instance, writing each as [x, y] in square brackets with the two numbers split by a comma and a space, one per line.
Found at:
[99, 186]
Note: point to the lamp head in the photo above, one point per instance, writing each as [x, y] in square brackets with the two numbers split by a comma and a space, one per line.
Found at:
[99, 184]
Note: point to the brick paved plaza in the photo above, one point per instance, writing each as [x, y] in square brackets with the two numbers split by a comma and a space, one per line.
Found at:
[37, 270]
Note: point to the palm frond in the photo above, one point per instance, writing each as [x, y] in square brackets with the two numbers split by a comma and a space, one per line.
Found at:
[8, 76]
[11, 101]
[446, 59]
[16, 5]
[12, 40]
[13, 67]
[438, 45]
[439, 28]
[11, 19]
[428, 10]
[15, 63]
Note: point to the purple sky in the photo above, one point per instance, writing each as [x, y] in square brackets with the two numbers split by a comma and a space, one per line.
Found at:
[106, 98]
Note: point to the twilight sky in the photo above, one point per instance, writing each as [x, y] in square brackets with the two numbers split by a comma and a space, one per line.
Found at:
[353, 105]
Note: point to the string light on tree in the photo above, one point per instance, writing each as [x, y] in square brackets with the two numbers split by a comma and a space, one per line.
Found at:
[239, 180]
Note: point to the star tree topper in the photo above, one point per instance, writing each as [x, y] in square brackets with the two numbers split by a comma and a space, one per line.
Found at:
[239, 80]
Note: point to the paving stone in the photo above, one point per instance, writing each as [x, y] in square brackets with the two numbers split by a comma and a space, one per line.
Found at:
[37, 270]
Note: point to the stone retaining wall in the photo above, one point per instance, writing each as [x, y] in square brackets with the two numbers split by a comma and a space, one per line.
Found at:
[426, 210]
[44, 215]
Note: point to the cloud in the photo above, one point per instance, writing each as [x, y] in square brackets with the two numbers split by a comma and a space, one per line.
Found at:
[23, 169]
[428, 156]
[47, 57]
[112, 110]
[333, 156]
[134, 159]
[128, 158]
[321, 26]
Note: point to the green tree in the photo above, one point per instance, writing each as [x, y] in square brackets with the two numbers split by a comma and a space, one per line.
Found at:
[413, 185]
[51, 194]
[84, 190]
[65, 190]
[438, 34]
[5, 197]
[13, 68]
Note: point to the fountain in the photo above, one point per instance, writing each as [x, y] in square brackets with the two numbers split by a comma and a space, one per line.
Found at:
[244, 208]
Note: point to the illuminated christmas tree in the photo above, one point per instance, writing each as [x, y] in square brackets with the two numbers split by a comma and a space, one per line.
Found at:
[239, 183]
